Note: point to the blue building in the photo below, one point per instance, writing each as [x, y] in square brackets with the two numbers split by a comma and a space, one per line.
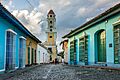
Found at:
[97, 42]
[12, 42]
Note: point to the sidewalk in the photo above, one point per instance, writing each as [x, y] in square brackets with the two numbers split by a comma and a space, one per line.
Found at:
[97, 67]
[101, 67]
[5, 76]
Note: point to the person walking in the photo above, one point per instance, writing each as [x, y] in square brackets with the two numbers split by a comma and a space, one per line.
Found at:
[62, 61]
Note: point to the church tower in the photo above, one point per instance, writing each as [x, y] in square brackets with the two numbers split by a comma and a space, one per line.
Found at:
[51, 35]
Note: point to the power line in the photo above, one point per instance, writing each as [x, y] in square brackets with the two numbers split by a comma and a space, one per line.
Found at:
[33, 8]
[31, 4]
[5, 2]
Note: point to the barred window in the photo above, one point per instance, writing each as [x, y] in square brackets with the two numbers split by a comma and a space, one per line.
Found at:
[22, 51]
[117, 44]
[10, 49]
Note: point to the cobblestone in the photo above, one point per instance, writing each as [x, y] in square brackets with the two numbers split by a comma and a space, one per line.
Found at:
[65, 72]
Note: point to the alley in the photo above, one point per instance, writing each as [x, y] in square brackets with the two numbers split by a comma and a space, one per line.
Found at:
[65, 72]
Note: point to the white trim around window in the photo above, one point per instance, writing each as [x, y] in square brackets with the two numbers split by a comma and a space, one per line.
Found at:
[11, 31]
[23, 37]
[23, 52]
[2, 70]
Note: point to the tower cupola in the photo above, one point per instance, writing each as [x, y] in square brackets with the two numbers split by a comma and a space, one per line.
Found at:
[51, 13]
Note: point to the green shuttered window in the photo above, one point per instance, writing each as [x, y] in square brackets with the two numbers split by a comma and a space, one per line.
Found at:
[72, 50]
[73, 47]
[83, 49]
[117, 44]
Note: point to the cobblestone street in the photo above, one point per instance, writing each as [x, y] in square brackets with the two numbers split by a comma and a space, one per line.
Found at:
[64, 72]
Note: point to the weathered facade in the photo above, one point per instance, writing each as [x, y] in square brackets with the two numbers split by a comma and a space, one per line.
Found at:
[97, 41]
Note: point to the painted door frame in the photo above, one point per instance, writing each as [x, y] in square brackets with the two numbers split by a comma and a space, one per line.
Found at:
[32, 56]
[29, 55]
[96, 46]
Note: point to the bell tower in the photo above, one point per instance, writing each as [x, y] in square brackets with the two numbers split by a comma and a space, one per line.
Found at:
[51, 34]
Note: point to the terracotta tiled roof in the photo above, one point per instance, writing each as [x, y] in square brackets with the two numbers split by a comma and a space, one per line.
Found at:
[51, 12]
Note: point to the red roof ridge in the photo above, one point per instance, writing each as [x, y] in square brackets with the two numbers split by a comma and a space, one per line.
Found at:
[51, 12]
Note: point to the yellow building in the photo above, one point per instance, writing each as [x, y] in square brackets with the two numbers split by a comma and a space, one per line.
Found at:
[51, 35]
[31, 50]
[65, 48]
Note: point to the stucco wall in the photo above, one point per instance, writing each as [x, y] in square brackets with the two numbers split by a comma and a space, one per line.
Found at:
[65, 47]
[42, 56]
[32, 44]
[4, 25]
[108, 27]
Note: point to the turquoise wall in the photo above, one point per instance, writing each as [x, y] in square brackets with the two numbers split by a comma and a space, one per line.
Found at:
[4, 25]
[108, 27]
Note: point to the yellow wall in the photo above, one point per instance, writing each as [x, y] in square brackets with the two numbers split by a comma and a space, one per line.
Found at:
[32, 44]
[51, 40]
[65, 45]
[54, 54]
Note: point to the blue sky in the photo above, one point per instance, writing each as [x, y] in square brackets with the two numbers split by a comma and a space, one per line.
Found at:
[69, 13]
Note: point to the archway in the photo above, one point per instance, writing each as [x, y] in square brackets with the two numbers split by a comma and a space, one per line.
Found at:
[100, 46]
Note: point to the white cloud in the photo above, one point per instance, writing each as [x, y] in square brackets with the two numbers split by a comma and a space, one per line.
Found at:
[30, 20]
[82, 11]
[99, 3]
[8, 4]
[89, 18]
[64, 3]
[1, 1]
[59, 47]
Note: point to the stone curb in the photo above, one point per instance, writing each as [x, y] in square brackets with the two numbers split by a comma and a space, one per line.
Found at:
[97, 67]
[102, 67]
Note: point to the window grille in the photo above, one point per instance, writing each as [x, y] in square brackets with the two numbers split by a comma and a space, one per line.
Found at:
[72, 51]
[22, 51]
[83, 49]
[117, 44]
[10, 50]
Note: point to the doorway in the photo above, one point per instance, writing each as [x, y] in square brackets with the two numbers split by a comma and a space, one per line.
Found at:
[101, 46]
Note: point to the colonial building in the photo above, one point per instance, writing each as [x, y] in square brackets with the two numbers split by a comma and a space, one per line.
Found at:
[51, 35]
[97, 42]
[64, 44]
[43, 55]
[31, 50]
[12, 42]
